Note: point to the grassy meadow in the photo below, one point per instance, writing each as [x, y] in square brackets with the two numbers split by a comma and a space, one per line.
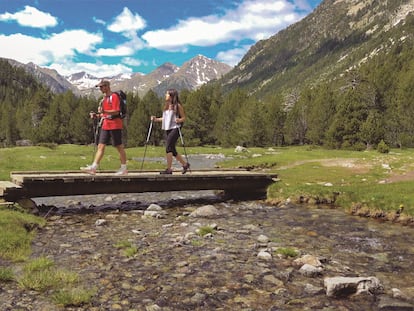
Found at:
[369, 181]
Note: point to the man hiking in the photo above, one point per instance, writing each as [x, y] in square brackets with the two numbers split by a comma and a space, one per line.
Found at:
[111, 126]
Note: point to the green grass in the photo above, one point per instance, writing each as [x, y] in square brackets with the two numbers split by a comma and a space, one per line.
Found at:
[128, 249]
[204, 230]
[38, 264]
[6, 274]
[17, 230]
[40, 274]
[123, 244]
[287, 251]
[73, 296]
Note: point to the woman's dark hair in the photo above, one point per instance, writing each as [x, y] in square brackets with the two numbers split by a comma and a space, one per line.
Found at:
[174, 99]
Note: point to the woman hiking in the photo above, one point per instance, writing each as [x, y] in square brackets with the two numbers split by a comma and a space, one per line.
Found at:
[173, 117]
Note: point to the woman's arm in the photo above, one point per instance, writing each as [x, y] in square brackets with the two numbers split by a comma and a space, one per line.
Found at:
[181, 119]
[155, 119]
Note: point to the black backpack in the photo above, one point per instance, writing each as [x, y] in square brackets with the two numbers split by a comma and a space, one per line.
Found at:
[122, 103]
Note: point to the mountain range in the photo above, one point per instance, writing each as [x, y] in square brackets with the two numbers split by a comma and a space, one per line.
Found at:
[191, 75]
[334, 39]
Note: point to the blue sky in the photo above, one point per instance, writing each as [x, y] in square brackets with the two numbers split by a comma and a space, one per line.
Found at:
[109, 37]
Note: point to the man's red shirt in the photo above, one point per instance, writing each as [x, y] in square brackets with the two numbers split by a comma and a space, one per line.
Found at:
[111, 103]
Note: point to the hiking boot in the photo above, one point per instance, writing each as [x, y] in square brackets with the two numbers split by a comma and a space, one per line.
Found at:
[186, 167]
[121, 171]
[166, 172]
[89, 169]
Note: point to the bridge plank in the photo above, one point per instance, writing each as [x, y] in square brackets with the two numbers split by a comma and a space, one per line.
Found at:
[56, 183]
[7, 184]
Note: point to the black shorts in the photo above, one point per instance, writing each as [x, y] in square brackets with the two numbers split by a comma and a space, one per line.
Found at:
[106, 135]
[171, 137]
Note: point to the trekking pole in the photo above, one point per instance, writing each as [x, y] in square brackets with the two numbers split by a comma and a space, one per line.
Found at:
[97, 125]
[182, 141]
[95, 136]
[146, 143]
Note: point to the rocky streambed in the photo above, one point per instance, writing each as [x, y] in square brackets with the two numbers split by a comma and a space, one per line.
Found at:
[253, 257]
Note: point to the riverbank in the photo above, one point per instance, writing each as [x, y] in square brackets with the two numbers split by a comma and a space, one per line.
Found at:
[368, 184]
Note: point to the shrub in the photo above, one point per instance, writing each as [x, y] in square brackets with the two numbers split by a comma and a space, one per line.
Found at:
[359, 146]
[73, 297]
[287, 251]
[383, 147]
[202, 231]
[41, 275]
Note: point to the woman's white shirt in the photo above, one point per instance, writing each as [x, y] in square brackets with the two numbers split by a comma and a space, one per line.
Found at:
[168, 120]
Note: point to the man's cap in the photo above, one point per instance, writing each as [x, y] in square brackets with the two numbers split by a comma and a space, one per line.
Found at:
[103, 82]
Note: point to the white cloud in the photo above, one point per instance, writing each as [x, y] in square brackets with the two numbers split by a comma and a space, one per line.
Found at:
[59, 50]
[55, 48]
[31, 17]
[232, 57]
[253, 19]
[133, 61]
[98, 21]
[66, 43]
[126, 22]
[118, 51]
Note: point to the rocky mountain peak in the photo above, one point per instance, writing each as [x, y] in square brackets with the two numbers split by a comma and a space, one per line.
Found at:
[191, 75]
[201, 70]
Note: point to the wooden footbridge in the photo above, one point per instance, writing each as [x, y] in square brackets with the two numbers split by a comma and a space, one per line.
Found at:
[239, 184]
